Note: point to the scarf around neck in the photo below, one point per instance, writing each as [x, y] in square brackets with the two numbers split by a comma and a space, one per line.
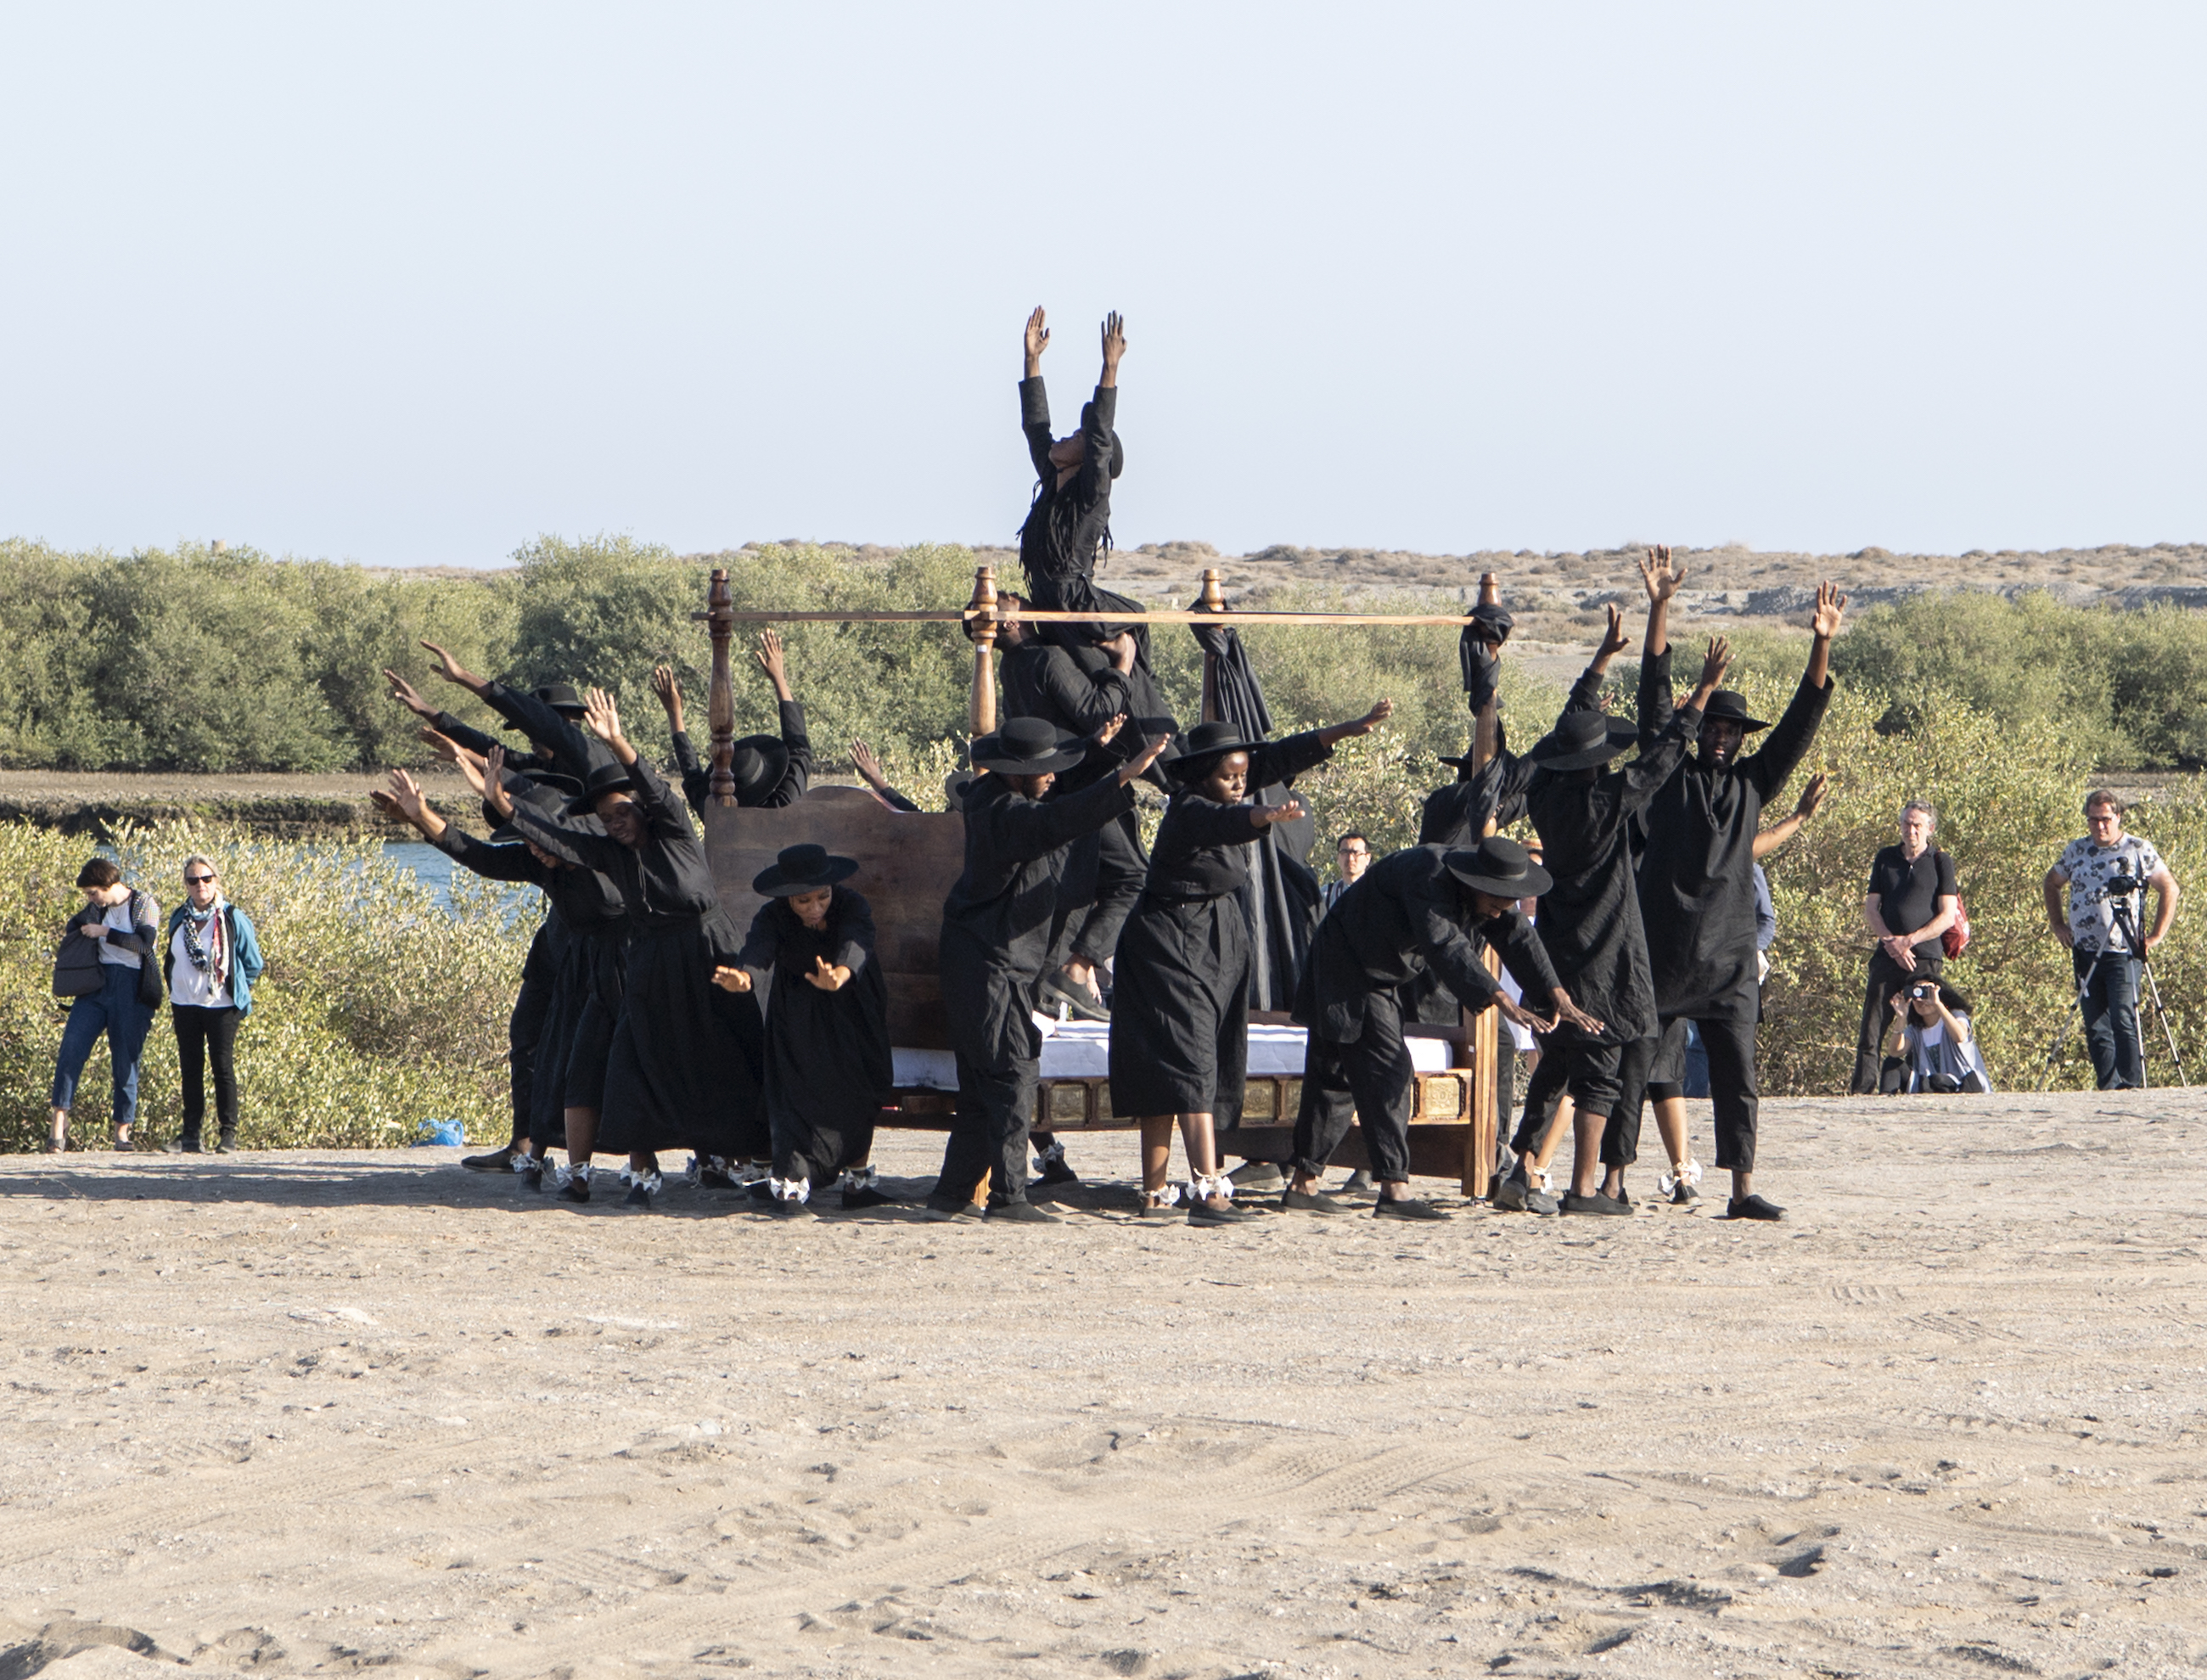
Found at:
[205, 943]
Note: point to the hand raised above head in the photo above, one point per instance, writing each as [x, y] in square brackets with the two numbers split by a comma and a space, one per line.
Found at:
[767, 653]
[407, 695]
[1716, 661]
[1831, 608]
[1660, 578]
[1107, 731]
[1613, 638]
[601, 715]
[1038, 334]
[663, 684]
[1114, 339]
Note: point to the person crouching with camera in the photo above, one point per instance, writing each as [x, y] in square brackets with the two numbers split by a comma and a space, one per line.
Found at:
[1931, 1047]
[2107, 873]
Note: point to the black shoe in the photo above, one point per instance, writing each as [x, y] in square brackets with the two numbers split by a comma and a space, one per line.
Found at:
[758, 1190]
[1157, 1211]
[537, 1178]
[710, 1178]
[1406, 1207]
[1683, 1194]
[1257, 1175]
[1202, 1213]
[1052, 1170]
[637, 1197]
[1309, 1201]
[1596, 1202]
[952, 1211]
[1020, 1213]
[1753, 1207]
[1511, 1192]
[1358, 1183]
[1080, 1002]
[187, 1144]
[788, 1207]
[498, 1161]
[860, 1196]
[226, 1144]
[575, 1190]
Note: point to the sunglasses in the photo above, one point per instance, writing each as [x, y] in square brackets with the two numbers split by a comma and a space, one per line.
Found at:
[197, 880]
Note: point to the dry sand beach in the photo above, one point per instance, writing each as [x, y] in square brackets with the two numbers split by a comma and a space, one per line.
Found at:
[319, 1413]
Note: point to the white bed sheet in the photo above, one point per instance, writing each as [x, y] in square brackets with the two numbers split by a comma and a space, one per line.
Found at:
[1082, 1049]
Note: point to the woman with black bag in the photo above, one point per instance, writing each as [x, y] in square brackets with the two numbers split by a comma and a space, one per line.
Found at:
[122, 926]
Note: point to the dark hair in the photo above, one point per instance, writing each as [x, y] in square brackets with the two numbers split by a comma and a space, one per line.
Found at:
[1350, 835]
[99, 872]
[2104, 796]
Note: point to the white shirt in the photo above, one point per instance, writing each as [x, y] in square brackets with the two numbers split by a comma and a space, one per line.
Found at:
[117, 916]
[188, 984]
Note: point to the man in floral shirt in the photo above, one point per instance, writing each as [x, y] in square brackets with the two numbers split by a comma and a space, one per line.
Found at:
[2106, 971]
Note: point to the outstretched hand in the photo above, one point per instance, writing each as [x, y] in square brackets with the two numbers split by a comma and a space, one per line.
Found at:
[449, 668]
[1714, 662]
[441, 744]
[1038, 335]
[407, 695]
[1567, 1011]
[1264, 815]
[1108, 731]
[405, 796]
[1831, 607]
[1613, 640]
[1151, 750]
[867, 766]
[827, 976]
[1115, 341]
[669, 692]
[731, 979]
[1813, 795]
[768, 656]
[602, 715]
[1660, 577]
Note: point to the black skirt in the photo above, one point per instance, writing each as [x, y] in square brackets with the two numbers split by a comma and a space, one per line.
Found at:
[682, 1070]
[1179, 1010]
[596, 973]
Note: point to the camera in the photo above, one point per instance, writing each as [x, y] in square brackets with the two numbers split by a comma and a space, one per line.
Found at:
[2122, 886]
[1922, 991]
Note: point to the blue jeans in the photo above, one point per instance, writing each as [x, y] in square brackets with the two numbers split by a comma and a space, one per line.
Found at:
[2111, 1021]
[116, 1011]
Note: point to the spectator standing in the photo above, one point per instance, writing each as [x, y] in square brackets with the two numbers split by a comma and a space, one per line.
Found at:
[1352, 854]
[1911, 904]
[126, 922]
[211, 959]
[2107, 971]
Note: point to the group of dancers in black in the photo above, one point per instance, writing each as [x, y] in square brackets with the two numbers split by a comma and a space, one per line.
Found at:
[647, 1022]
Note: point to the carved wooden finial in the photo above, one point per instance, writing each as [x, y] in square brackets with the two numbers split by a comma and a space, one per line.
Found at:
[1490, 590]
[721, 694]
[982, 706]
[1212, 597]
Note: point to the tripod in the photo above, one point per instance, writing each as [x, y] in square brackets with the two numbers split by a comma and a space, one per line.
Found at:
[2123, 908]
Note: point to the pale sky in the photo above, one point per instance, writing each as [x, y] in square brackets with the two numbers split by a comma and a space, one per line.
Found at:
[411, 284]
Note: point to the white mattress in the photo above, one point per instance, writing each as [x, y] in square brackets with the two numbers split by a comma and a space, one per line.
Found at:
[1082, 1049]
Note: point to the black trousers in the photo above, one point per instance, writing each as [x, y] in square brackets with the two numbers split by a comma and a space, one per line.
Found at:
[989, 1131]
[204, 1036]
[531, 1006]
[1103, 876]
[1368, 1080]
[2111, 1018]
[1542, 1092]
[1887, 977]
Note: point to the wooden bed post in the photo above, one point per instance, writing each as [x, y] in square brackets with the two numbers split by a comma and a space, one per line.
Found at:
[720, 693]
[982, 705]
[1211, 599]
[1485, 1027]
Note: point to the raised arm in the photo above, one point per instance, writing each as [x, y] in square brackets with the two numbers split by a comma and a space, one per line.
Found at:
[1586, 692]
[870, 772]
[1789, 739]
[1645, 775]
[1783, 830]
[1034, 399]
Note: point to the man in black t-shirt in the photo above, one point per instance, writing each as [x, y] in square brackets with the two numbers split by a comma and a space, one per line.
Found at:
[1911, 904]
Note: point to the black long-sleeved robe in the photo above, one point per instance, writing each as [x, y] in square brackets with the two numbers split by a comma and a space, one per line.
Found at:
[1405, 915]
[995, 939]
[683, 1067]
[826, 1053]
[1179, 1013]
[586, 934]
[1589, 921]
[1697, 871]
[796, 777]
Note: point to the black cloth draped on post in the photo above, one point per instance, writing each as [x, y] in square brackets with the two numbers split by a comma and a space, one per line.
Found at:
[1180, 1015]
[1280, 897]
[683, 1064]
[826, 1053]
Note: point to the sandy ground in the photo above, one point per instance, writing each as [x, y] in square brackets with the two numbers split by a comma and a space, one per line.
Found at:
[328, 1413]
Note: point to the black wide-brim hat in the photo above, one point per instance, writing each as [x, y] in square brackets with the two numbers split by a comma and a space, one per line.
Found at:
[1731, 704]
[1028, 747]
[610, 777]
[1499, 866]
[1201, 749]
[803, 869]
[1581, 740]
[956, 786]
[758, 763]
[561, 698]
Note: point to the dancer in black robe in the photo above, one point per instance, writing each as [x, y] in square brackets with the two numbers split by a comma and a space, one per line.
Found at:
[587, 910]
[1589, 922]
[1179, 1035]
[827, 1027]
[683, 1066]
[559, 753]
[1697, 883]
[1069, 522]
[770, 771]
[1421, 908]
[996, 938]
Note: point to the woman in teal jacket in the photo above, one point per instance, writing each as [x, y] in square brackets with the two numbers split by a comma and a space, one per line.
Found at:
[211, 959]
